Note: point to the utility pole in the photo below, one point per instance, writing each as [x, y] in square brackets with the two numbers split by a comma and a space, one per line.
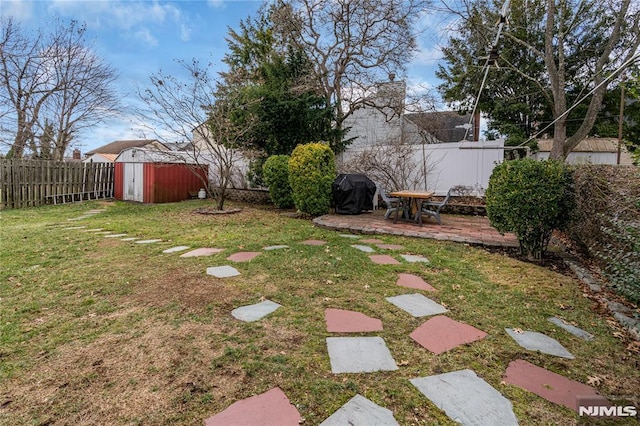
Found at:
[621, 118]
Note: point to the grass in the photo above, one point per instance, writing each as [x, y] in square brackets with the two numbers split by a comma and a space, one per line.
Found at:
[100, 331]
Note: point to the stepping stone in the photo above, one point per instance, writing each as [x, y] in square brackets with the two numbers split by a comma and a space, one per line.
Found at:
[269, 408]
[243, 256]
[383, 259]
[225, 271]
[278, 247]
[390, 246]
[175, 249]
[365, 249]
[552, 386]
[571, 328]
[147, 241]
[413, 281]
[96, 211]
[74, 227]
[342, 321]
[94, 230]
[360, 411]
[314, 242]
[129, 239]
[412, 258]
[372, 241]
[439, 334]
[466, 398]
[114, 235]
[355, 237]
[105, 232]
[534, 341]
[255, 312]
[359, 355]
[202, 252]
[417, 305]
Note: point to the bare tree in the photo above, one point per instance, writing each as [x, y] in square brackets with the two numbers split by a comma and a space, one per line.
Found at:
[352, 44]
[51, 79]
[187, 110]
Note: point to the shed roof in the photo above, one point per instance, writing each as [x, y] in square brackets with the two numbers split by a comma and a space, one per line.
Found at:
[141, 155]
[585, 145]
[117, 147]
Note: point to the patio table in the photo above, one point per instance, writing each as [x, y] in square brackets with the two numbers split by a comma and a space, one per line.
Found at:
[411, 204]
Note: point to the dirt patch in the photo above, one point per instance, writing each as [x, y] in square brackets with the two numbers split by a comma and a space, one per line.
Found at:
[193, 290]
[213, 211]
[151, 369]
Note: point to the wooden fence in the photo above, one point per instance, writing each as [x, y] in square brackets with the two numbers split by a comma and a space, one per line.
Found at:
[29, 183]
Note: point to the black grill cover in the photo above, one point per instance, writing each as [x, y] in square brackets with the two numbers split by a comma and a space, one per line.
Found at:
[353, 193]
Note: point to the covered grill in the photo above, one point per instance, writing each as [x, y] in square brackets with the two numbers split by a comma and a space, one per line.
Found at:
[353, 193]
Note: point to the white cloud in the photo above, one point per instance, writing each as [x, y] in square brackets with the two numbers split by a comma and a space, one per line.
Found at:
[19, 10]
[215, 3]
[185, 32]
[146, 37]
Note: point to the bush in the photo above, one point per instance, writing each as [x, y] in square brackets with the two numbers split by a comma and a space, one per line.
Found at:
[530, 198]
[606, 223]
[312, 170]
[275, 173]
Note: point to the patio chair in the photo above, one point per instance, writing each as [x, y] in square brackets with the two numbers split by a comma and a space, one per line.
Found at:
[432, 208]
[393, 204]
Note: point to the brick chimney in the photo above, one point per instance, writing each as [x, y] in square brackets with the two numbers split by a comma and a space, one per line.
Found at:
[76, 154]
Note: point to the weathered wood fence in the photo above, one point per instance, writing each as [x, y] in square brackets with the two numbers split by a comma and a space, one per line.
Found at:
[29, 183]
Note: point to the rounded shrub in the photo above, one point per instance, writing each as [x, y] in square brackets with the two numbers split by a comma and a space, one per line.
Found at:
[530, 198]
[275, 173]
[312, 170]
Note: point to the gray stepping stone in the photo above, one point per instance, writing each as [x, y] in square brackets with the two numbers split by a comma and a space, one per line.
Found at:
[360, 411]
[359, 355]
[225, 271]
[355, 237]
[175, 249]
[417, 305]
[255, 312]
[467, 399]
[74, 227]
[129, 239]
[534, 341]
[412, 258]
[205, 251]
[114, 235]
[571, 328]
[94, 230]
[363, 248]
[278, 247]
[147, 241]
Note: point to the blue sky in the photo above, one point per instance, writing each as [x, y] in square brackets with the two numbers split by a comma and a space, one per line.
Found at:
[140, 37]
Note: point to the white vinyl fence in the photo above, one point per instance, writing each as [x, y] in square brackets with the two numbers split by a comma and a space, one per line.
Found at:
[431, 167]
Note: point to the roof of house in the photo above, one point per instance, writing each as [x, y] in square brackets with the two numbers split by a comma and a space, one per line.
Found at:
[585, 145]
[446, 126]
[117, 146]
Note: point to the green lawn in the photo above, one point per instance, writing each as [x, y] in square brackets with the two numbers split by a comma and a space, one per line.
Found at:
[95, 330]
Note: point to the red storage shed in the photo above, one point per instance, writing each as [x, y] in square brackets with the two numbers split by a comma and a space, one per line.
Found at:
[157, 176]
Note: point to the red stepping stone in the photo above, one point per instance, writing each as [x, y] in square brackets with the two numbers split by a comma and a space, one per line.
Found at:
[342, 321]
[383, 259]
[270, 408]
[314, 242]
[413, 281]
[202, 252]
[390, 246]
[439, 334]
[243, 256]
[372, 241]
[551, 386]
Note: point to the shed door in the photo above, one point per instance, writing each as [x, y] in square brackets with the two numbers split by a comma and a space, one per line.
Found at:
[133, 181]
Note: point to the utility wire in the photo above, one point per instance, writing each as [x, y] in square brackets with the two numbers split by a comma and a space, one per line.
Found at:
[606, 80]
[492, 58]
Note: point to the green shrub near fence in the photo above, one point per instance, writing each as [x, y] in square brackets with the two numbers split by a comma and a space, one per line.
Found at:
[275, 173]
[312, 170]
[530, 198]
